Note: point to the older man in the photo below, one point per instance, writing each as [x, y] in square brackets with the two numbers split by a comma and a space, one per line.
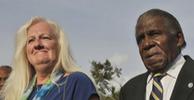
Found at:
[170, 75]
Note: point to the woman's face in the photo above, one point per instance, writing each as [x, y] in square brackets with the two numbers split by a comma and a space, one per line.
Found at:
[41, 47]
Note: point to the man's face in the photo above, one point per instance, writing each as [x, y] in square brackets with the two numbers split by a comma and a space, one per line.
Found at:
[157, 46]
[4, 74]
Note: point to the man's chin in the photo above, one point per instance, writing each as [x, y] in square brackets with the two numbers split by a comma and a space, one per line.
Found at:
[155, 68]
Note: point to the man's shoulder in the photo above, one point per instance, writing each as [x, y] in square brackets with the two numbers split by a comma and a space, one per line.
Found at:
[134, 88]
[136, 80]
[188, 65]
[188, 58]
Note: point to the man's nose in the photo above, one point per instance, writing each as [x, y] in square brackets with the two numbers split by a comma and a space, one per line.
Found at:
[148, 43]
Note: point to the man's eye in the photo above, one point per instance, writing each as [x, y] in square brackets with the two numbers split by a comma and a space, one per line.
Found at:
[154, 33]
[139, 39]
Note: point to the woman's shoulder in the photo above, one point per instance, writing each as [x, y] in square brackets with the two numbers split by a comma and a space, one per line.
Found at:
[80, 85]
[80, 79]
[74, 78]
[78, 76]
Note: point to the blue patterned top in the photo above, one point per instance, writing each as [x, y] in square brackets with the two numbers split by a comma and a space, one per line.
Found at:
[76, 86]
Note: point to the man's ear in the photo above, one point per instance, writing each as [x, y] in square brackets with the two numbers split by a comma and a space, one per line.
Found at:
[180, 40]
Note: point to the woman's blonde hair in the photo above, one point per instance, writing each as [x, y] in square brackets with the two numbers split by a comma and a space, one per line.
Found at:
[22, 73]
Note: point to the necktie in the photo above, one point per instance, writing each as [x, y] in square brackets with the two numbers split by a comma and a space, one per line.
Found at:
[157, 89]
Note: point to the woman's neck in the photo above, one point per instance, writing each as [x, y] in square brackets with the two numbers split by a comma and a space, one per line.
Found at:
[42, 78]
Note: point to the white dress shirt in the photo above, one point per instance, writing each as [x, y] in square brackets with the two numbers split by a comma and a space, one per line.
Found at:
[168, 81]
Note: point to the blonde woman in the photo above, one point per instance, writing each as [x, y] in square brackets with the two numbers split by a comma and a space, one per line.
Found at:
[43, 68]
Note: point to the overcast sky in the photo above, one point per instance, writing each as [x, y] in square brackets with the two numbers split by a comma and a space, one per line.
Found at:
[97, 29]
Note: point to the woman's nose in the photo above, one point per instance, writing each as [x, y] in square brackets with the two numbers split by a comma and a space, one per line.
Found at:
[38, 45]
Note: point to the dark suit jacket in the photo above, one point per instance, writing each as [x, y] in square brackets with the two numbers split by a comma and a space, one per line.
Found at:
[135, 88]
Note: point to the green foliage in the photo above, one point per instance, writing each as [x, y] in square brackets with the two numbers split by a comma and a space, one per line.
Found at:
[103, 74]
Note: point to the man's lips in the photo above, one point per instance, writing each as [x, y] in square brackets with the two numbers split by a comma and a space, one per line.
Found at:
[150, 56]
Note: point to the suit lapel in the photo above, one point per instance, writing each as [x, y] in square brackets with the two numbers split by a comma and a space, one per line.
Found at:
[185, 81]
[142, 87]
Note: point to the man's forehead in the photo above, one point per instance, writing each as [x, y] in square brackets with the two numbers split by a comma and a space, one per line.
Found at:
[148, 24]
[150, 19]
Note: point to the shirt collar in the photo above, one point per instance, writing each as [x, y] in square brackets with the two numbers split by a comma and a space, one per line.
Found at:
[174, 69]
[176, 66]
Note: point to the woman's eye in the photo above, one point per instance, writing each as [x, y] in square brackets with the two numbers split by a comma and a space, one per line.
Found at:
[30, 40]
[46, 37]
